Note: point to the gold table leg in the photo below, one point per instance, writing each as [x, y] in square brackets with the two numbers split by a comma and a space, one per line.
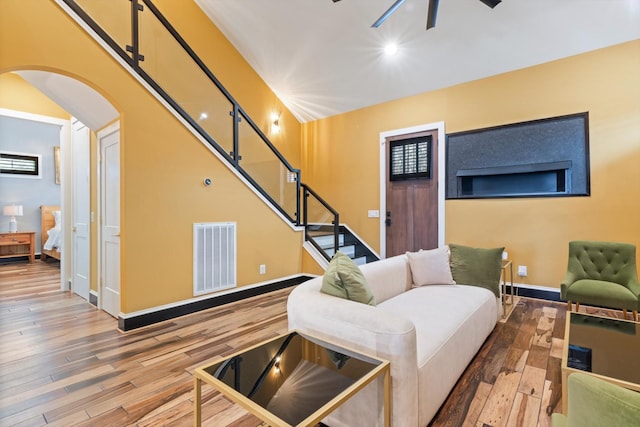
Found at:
[197, 402]
[387, 397]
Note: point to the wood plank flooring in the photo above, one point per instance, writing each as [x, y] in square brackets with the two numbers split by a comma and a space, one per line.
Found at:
[63, 362]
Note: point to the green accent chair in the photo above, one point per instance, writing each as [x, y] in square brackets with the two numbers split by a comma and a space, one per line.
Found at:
[602, 274]
[594, 403]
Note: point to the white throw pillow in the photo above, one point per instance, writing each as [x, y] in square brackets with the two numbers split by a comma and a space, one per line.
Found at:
[431, 267]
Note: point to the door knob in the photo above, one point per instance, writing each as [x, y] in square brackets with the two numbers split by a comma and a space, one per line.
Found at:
[74, 229]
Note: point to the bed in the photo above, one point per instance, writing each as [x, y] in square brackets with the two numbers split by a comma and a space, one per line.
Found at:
[51, 237]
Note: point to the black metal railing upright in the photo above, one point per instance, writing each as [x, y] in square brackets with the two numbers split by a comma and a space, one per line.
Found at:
[157, 53]
[321, 223]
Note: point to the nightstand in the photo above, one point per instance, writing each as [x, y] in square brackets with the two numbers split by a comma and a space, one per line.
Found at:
[22, 243]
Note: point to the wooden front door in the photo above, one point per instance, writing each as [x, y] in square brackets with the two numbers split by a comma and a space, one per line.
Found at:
[412, 198]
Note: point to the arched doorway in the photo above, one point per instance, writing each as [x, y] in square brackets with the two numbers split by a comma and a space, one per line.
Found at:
[79, 199]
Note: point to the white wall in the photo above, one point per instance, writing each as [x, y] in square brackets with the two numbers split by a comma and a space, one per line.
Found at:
[29, 134]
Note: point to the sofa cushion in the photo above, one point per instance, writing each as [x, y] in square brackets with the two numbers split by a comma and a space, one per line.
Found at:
[344, 279]
[598, 292]
[431, 267]
[452, 322]
[477, 266]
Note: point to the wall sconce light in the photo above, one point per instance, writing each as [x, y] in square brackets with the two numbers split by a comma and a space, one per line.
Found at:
[275, 123]
[276, 365]
[13, 211]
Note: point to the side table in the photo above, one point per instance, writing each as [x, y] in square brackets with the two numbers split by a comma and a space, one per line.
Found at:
[507, 298]
[18, 244]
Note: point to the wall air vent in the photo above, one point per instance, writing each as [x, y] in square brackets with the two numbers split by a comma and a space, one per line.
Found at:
[214, 257]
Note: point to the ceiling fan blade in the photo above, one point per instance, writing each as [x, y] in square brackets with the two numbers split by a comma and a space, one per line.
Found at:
[432, 13]
[387, 14]
[491, 3]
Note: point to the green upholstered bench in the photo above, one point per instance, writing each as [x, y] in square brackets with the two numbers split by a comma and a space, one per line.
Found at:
[602, 274]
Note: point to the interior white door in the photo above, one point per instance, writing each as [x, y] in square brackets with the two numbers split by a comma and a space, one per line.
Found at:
[109, 140]
[81, 209]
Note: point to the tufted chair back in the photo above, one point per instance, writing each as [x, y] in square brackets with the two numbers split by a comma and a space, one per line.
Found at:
[607, 261]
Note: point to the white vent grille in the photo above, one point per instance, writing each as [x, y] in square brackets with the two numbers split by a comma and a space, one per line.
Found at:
[214, 256]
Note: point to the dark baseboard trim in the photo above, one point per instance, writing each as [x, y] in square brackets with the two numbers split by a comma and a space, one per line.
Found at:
[536, 293]
[148, 319]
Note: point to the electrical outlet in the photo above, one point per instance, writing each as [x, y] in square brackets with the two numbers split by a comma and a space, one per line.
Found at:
[522, 270]
[263, 269]
[373, 214]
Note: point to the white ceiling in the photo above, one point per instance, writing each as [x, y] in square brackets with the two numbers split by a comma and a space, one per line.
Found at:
[323, 58]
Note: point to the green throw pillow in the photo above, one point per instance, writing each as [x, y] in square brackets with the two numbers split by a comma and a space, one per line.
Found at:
[476, 266]
[344, 279]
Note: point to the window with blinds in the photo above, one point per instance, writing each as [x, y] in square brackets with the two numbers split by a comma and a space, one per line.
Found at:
[410, 159]
[18, 164]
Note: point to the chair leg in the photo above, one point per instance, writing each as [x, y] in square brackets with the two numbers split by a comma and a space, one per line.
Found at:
[635, 315]
[568, 305]
[577, 306]
[624, 313]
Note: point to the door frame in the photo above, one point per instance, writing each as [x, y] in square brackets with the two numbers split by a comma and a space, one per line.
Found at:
[105, 131]
[73, 165]
[65, 185]
[440, 128]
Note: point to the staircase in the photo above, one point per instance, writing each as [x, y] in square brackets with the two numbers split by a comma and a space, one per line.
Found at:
[294, 201]
[348, 243]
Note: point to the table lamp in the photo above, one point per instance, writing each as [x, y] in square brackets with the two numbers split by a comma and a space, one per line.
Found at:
[13, 211]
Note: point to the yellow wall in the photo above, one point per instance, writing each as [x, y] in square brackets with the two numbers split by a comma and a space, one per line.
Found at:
[163, 165]
[535, 231]
[17, 94]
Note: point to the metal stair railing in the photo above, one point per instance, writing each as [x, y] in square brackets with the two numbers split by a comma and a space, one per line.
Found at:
[242, 144]
[320, 219]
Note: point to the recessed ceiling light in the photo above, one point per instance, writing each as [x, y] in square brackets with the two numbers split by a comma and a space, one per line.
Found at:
[391, 49]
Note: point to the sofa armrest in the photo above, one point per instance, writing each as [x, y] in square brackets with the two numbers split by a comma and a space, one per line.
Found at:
[634, 286]
[568, 280]
[593, 401]
[558, 420]
[356, 325]
[367, 329]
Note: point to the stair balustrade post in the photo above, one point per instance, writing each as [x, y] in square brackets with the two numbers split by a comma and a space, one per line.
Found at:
[336, 232]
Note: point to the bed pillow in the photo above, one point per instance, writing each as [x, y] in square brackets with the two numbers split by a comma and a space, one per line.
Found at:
[477, 266]
[343, 279]
[431, 267]
[57, 223]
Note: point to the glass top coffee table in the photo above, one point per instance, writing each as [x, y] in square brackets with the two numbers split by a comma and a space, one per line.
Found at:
[292, 380]
[605, 347]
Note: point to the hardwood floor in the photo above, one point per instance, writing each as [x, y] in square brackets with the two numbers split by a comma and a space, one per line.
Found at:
[63, 362]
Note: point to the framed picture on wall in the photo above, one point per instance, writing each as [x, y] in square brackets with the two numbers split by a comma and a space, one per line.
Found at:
[20, 165]
[56, 163]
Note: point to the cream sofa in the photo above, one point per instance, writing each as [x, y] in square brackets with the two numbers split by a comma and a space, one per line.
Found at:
[428, 333]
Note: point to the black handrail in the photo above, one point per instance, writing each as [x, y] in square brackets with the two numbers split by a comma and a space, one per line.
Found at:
[238, 112]
[336, 221]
